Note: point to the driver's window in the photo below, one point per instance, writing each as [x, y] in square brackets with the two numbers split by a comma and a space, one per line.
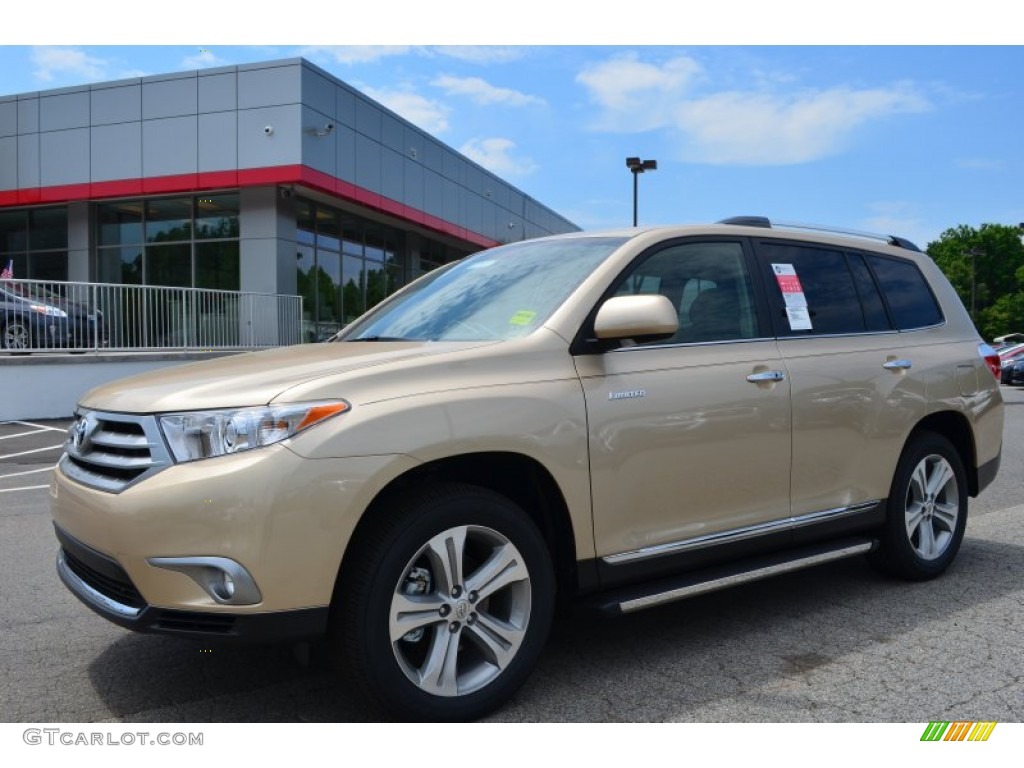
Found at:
[707, 283]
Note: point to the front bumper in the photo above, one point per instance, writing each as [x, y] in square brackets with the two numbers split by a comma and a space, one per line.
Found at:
[284, 519]
[100, 583]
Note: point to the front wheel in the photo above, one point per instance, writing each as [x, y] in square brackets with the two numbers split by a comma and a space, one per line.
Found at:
[927, 510]
[446, 605]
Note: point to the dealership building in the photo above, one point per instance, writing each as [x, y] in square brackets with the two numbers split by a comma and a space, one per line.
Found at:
[271, 178]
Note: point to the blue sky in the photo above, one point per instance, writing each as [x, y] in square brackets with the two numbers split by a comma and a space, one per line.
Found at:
[907, 140]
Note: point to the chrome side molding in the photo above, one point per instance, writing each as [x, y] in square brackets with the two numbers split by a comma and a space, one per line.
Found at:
[738, 534]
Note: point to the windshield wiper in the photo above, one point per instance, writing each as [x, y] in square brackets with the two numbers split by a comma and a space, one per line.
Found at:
[379, 338]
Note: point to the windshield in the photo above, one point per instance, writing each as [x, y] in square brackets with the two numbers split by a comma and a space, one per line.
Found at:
[497, 294]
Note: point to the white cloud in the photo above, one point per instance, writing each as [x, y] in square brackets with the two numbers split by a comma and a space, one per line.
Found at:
[636, 96]
[735, 128]
[762, 126]
[497, 156]
[429, 115]
[482, 92]
[980, 164]
[57, 63]
[898, 218]
[481, 54]
[354, 54]
[204, 59]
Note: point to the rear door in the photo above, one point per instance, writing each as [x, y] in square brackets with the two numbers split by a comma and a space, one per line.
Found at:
[856, 387]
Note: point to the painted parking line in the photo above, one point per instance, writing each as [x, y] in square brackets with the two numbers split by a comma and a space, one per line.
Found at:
[24, 488]
[28, 472]
[34, 450]
[41, 426]
[23, 434]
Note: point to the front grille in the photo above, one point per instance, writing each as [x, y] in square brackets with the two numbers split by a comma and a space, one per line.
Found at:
[114, 583]
[111, 451]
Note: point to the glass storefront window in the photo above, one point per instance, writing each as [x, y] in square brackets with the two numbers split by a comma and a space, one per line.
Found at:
[304, 222]
[13, 232]
[48, 229]
[169, 265]
[120, 223]
[120, 265]
[217, 265]
[328, 229]
[36, 241]
[217, 216]
[352, 287]
[168, 219]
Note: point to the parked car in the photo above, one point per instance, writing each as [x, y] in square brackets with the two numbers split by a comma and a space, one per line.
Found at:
[1006, 359]
[1013, 373]
[32, 317]
[620, 419]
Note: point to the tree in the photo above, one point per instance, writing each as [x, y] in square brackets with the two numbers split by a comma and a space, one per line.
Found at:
[986, 267]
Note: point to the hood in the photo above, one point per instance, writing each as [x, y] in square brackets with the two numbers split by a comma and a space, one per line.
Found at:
[253, 378]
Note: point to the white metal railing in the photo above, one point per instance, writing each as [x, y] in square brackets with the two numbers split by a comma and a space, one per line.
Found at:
[38, 315]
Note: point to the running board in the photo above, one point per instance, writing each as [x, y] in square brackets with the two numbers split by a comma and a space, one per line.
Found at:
[637, 598]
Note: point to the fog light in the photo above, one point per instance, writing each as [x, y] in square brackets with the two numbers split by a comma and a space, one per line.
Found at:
[223, 579]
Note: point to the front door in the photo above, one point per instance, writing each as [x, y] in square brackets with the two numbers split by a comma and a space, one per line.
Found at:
[689, 437]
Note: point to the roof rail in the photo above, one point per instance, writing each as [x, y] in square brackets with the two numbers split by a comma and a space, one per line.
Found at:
[765, 223]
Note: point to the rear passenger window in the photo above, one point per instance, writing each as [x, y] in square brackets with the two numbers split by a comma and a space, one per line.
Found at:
[907, 293]
[833, 305]
[875, 317]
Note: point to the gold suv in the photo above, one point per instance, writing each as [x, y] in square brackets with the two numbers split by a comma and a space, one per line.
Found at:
[624, 419]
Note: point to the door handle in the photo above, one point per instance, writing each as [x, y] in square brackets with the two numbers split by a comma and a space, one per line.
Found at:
[897, 365]
[758, 378]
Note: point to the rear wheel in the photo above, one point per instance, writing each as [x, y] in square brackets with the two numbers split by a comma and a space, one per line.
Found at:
[446, 605]
[927, 510]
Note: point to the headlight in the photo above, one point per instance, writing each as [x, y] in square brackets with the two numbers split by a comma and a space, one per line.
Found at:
[204, 434]
[46, 309]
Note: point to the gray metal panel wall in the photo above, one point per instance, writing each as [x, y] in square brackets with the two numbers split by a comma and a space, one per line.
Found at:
[121, 104]
[218, 141]
[116, 151]
[170, 145]
[9, 117]
[64, 110]
[170, 98]
[63, 157]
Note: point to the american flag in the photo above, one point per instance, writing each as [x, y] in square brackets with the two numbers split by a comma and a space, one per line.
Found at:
[8, 273]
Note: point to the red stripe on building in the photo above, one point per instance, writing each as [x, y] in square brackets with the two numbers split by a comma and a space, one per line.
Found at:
[301, 175]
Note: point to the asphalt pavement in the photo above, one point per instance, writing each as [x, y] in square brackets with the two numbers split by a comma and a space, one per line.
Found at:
[836, 644]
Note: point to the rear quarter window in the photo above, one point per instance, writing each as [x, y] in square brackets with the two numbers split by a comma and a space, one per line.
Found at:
[907, 293]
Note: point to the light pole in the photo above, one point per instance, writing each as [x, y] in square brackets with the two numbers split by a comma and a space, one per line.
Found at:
[638, 166]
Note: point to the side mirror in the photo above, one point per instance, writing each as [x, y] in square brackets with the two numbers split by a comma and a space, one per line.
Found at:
[646, 317]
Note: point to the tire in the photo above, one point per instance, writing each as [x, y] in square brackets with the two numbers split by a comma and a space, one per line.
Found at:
[927, 510]
[446, 605]
[16, 336]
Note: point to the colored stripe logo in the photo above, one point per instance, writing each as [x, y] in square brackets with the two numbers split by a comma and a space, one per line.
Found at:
[958, 731]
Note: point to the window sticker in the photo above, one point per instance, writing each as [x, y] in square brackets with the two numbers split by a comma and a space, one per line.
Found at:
[793, 294]
[799, 318]
[522, 317]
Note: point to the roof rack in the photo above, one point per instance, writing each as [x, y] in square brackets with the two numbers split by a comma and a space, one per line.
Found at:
[765, 223]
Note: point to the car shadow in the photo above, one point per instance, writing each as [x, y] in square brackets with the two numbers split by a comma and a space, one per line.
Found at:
[675, 662]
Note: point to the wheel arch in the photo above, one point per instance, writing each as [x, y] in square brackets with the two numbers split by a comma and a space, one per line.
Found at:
[955, 427]
[516, 476]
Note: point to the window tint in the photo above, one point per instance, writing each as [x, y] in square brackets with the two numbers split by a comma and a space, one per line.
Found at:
[832, 303]
[707, 283]
[907, 293]
[875, 317]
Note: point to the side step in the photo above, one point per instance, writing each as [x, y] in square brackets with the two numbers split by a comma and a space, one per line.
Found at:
[636, 598]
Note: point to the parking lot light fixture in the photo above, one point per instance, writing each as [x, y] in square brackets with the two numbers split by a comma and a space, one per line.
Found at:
[638, 166]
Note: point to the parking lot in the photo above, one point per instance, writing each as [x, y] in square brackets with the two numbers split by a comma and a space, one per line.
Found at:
[837, 644]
